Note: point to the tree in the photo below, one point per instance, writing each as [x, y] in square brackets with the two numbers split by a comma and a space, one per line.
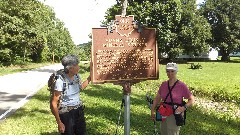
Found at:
[29, 31]
[195, 30]
[84, 51]
[224, 18]
[163, 15]
[178, 24]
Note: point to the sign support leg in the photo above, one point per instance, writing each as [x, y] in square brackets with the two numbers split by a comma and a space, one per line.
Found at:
[127, 115]
[127, 92]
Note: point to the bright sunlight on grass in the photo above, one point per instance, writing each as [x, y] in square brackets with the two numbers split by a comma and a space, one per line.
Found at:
[103, 104]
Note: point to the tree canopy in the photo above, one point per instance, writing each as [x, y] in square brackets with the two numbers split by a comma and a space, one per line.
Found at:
[29, 31]
[180, 27]
[224, 18]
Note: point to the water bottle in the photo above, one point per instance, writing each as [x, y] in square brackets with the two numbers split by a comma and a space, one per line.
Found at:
[178, 116]
[175, 108]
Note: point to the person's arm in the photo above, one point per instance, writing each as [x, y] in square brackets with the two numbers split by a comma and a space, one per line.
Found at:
[155, 102]
[54, 109]
[85, 83]
[189, 103]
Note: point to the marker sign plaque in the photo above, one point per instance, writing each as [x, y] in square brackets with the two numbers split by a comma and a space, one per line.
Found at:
[123, 52]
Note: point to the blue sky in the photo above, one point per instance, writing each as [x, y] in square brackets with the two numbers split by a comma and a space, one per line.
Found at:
[80, 16]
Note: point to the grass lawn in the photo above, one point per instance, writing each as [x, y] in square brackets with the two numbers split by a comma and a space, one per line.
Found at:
[216, 80]
[103, 104]
[19, 68]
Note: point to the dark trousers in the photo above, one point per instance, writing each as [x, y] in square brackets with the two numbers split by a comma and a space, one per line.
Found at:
[74, 122]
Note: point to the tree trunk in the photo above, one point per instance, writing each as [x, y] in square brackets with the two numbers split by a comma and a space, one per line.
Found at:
[225, 54]
[24, 54]
[53, 56]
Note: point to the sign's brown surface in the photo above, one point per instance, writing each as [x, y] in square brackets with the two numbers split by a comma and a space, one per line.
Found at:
[125, 53]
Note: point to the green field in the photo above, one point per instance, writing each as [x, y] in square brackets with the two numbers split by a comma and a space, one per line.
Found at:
[216, 80]
[4, 70]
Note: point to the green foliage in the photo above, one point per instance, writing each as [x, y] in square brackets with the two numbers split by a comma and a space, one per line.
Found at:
[195, 30]
[4, 70]
[84, 51]
[217, 80]
[26, 28]
[224, 18]
[195, 66]
[45, 54]
[103, 104]
[180, 28]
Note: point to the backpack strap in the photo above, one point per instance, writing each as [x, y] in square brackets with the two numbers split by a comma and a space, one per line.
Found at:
[61, 76]
[78, 81]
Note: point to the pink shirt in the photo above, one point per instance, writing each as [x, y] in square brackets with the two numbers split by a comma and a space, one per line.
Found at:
[179, 92]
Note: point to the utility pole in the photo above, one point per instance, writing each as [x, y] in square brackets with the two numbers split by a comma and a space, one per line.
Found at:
[124, 4]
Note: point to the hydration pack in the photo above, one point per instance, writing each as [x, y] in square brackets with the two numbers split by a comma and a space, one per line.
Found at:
[52, 82]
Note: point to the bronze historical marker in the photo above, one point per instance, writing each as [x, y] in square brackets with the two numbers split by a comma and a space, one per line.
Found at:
[124, 51]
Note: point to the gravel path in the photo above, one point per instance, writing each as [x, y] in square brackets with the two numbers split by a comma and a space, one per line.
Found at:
[231, 109]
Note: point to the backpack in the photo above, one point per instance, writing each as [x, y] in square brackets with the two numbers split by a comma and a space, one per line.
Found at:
[52, 82]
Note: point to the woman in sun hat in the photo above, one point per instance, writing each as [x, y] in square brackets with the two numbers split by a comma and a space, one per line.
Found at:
[170, 96]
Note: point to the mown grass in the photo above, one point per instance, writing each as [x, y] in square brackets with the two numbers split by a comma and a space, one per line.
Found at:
[4, 70]
[103, 104]
[216, 80]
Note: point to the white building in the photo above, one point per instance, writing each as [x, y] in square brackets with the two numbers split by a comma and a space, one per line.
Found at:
[212, 54]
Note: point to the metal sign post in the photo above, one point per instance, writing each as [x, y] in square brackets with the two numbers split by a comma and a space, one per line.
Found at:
[124, 53]
[126, 93]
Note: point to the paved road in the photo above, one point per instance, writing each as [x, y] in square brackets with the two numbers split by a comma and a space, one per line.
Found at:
[17, 88]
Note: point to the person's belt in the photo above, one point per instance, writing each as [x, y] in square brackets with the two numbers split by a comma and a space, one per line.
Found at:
[69, 108]
[65, 109]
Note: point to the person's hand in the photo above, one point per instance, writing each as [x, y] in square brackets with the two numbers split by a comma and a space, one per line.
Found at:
[89, 78]
[61, 127]
[180, 109]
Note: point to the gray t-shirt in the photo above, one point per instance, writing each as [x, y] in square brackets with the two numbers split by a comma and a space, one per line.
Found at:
[71, 95]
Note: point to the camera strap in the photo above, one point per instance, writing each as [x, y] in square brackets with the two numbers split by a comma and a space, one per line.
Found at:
[170, 92]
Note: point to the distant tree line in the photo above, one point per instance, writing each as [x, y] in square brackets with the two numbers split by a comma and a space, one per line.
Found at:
[184, 27]
[30, 32]
[84, 51]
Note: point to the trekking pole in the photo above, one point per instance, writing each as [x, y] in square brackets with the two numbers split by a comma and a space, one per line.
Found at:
[150, 102]
[155, 128]
[119, 117]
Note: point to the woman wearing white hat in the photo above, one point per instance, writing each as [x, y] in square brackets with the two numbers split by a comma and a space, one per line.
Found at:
[172, 108]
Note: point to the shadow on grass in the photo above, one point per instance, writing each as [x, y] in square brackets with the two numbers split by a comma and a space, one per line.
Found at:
[30, 113]
[41, 97]
[110, 93]
[197, 122]
[107, 116]
[204, 124]
[47, 133]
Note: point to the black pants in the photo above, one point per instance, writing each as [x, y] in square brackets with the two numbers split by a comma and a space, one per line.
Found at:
[74, 122]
